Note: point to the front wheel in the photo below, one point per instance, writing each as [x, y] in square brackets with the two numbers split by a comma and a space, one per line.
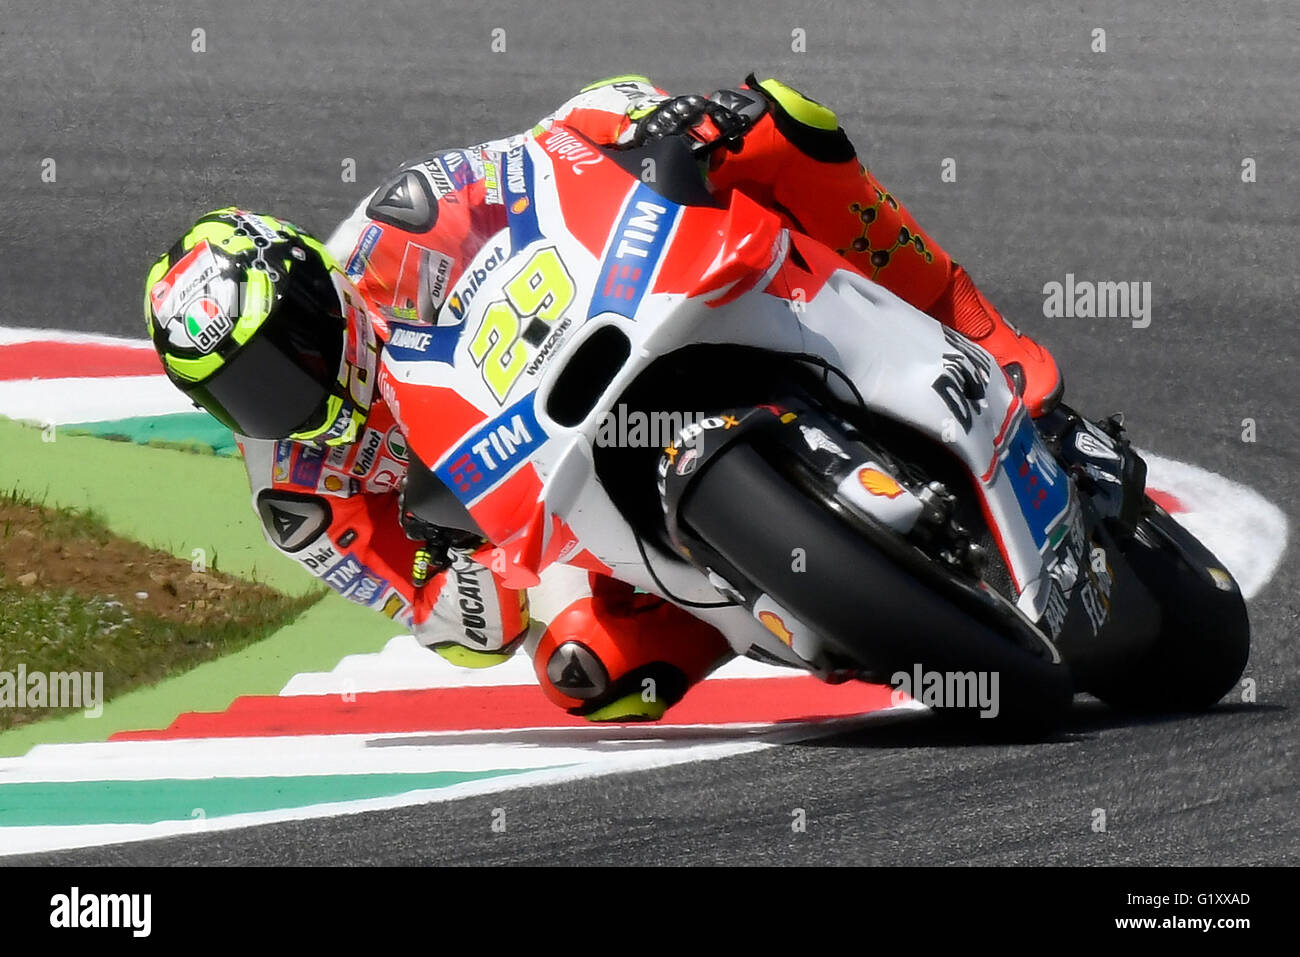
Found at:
[860, 599]
[1204, 638]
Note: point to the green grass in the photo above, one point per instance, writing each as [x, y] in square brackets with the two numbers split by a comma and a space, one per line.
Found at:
[63, 629]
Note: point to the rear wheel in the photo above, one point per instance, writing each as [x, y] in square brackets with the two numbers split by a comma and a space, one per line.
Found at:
[853, 592]
[1204, 637]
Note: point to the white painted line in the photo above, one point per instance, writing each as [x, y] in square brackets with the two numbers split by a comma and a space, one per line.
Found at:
[1246, 531]
[72, 401]
[33, 839]
[20, 840]
[406, 665]
[304, 756]
[11, 336]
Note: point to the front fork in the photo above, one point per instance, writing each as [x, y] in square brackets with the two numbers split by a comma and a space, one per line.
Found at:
[837, 465]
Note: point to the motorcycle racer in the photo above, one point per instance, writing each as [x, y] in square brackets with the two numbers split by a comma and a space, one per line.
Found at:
[279, 336]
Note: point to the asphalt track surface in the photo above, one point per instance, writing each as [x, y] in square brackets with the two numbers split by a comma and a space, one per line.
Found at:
[1123, 165]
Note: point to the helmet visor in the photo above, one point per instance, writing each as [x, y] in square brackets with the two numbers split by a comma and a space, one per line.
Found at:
[280, 381]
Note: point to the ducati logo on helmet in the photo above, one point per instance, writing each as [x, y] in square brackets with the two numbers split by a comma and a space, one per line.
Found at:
[195, 301]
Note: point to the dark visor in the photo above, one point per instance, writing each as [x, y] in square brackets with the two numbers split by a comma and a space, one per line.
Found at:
[280, 381]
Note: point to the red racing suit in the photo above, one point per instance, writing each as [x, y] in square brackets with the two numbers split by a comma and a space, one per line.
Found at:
[405, 248]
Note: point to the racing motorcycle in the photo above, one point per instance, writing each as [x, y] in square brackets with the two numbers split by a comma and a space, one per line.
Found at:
[839, 483]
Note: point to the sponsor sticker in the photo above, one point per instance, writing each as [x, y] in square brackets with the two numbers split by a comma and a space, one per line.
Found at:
[472, 280]
[393, 605]
[1093, 447]
[878, 483]
[386, 476]
[396, 444]
[524, 228]
[194, 303]
[572, 150]
[489, 454]
[492, 194]
[819, 441]
[334, 483]
[283, 454]
[463, 168]
[318, 557]
[360, 258]
[438, 178]
[368, 589]
[548, 347]
[963, 382]
[343, 575]
[416, 340]
[1041, 489]
[420, 343]
[776, 625]
[371, 440]
[634, 252]
[422, 283]
[307, 465]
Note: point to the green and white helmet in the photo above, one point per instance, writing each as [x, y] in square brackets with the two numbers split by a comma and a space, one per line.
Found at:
[251, 318]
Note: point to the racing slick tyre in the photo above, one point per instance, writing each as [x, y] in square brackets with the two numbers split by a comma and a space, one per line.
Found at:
[1204, 637]
[876, 613]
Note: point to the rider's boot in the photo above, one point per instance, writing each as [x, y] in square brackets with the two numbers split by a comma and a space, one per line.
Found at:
[797, 161]
[622, 656]
[1030, 367]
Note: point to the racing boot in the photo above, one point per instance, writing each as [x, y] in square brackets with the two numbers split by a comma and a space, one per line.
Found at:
[796, 160]
[622, 656]
[1030, 367]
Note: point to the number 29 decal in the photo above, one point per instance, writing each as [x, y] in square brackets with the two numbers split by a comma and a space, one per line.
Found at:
[537, 296]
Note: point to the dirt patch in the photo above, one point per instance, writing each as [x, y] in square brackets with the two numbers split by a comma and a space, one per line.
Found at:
[76, 597]
[70, 549]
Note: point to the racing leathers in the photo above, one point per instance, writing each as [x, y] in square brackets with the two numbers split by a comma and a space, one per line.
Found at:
[408, 249]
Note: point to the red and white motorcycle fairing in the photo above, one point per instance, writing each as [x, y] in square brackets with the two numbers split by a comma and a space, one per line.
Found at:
[589, 246]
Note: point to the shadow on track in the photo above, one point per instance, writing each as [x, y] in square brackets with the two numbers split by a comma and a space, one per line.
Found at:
[1088, 719]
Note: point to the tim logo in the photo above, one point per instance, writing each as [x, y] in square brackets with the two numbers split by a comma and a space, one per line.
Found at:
[490, 453]
[1035, 478]
[464, 473]
[620, 282]
[963, 383]
[639, 241]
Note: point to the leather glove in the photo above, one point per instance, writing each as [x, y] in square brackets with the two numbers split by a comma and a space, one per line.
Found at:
[720, 120]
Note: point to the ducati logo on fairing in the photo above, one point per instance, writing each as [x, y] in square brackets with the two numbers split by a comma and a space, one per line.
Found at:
[963, 384]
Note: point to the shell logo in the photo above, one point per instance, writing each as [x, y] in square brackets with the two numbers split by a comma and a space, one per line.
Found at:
[878, 483]
[773, 623]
